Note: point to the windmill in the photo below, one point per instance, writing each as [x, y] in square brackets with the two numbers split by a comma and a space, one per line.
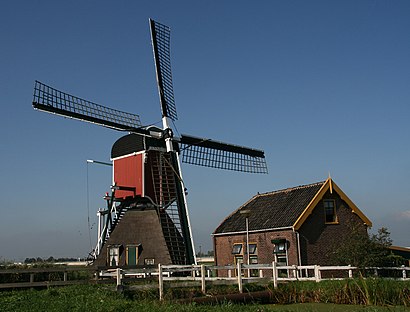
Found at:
[146, 220]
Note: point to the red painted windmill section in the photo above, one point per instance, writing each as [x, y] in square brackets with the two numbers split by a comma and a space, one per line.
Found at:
[128, 172]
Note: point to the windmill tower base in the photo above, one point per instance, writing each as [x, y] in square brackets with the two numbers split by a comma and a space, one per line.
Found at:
[138, 239]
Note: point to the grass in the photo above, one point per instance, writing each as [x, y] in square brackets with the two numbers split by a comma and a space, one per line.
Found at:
[302, 296]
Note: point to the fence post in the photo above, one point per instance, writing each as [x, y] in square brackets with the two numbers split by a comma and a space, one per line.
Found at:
[160, 283]
[239, 277]
[203, 278]
[296, 271]
[118, 277]
[31, 277]
[317, 273]
[193, 272]
[274, 275]
[65, 276]
[404, 272]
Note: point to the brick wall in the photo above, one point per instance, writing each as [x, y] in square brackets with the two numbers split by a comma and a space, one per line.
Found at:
[223, 247]
[318, 240]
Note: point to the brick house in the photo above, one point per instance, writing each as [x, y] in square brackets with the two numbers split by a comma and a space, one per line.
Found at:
[295, 226]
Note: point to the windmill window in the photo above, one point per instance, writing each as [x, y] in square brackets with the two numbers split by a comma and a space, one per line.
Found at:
[330, 211]
[113, 255]
[149, 261]
[237, 249]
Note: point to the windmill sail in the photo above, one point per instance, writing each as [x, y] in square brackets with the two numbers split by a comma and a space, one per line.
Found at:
[148, 207]
[57, 102]
[214, 154]
[160, 37]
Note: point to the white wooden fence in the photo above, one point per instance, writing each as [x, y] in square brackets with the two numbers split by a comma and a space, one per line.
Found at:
[191, 275]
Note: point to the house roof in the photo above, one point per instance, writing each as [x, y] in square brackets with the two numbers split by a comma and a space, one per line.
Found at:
[287, 208]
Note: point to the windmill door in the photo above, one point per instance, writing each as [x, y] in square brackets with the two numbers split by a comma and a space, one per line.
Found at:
[132, 255]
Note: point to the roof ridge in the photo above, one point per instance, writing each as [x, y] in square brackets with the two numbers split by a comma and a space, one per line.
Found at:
[290, 189]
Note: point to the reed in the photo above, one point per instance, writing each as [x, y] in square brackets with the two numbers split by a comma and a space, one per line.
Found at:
[360, 291]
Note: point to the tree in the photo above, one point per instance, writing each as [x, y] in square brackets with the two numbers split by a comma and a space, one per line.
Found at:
[362, 250]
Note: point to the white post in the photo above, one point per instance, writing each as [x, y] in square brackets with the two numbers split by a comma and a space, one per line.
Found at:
[203, 278]
[274, 275]
[247, 244]
[295, 272]
[317, 273]
[239, 277]
[118, 277]
[100, 221]
[404, 272]
[160, 283]
[350, 271]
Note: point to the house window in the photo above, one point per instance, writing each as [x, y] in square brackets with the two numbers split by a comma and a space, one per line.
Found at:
[280, 247]
[238, 259]
[253, 258]
[253, 249]
[113, 255]
[281, 251]
[330, 211]
[237, 249]
[281, 259]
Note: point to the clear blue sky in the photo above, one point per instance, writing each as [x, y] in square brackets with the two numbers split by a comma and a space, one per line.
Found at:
[321, 86]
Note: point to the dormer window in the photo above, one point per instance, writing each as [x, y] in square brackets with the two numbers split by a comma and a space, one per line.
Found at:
[330, 211]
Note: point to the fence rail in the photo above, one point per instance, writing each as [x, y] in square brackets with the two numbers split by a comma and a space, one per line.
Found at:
[189, 275]
[44, 277]
[201, 275]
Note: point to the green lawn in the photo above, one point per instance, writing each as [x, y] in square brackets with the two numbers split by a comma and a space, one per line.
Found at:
[329, 307]
[103, 298]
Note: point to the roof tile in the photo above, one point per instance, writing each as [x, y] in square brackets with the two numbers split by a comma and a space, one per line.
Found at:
[271, 210]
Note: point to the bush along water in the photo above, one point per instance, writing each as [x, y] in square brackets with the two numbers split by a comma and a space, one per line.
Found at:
[361, 291]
